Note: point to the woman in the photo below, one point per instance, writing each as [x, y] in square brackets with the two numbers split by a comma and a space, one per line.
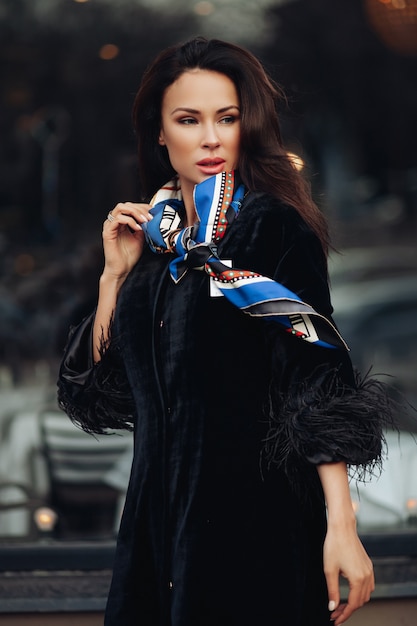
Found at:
[239, 388]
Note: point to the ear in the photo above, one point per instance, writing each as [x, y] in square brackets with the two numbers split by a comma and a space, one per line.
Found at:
[161, 139]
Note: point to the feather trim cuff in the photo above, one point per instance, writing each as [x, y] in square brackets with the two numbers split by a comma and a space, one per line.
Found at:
[96, 397]
[324, 420]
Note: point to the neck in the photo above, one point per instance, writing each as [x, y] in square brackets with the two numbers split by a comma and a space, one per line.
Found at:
[187, 192]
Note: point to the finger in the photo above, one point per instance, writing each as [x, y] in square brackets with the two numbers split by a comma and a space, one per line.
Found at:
[127, 214]
[139, 211]
[343, 615]
[334, 617]
[332, 580]
[114, 221]
[112, 229]
[361, 588]
[358, 596]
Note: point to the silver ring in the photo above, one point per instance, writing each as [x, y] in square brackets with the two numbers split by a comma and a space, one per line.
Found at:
[110, 217]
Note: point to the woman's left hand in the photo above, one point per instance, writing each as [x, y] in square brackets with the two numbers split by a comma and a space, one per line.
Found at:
[345, 555]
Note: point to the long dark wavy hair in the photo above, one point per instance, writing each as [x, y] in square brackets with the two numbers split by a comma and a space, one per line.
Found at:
[264, 164]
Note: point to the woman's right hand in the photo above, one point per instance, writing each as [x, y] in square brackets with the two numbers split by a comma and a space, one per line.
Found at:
[123, 238]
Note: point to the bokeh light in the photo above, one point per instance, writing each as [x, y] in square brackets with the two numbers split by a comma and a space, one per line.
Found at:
[109, 51]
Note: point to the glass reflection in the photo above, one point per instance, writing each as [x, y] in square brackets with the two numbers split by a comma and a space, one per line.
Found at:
[67, 155]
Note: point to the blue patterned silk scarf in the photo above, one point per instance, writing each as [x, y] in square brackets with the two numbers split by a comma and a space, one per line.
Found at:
[217, 202]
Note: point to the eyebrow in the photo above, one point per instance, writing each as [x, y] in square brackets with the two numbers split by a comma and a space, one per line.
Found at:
[196, 111]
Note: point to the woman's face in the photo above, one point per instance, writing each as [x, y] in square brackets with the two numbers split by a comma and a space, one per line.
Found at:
[200, 126]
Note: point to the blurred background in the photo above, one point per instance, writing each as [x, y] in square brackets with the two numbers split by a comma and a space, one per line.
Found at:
[69, 70]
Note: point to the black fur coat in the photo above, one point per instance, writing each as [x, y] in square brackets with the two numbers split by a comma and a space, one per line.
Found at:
[224, 518]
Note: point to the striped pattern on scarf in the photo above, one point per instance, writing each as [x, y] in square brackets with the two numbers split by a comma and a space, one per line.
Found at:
[217, 202]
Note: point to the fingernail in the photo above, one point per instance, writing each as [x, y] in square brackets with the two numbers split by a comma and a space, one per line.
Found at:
[332, 605]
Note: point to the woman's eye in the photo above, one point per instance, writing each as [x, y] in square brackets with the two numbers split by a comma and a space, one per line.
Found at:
[229, 119]
[187, 120]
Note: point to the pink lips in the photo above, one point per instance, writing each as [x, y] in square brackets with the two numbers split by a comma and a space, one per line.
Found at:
[211, 166]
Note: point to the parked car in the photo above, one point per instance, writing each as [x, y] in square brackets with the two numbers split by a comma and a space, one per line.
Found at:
[377, 317]
[374, 295]
[356, 265]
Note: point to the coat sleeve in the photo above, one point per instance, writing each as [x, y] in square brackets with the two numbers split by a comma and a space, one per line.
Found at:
[95, 396]
[319, 409]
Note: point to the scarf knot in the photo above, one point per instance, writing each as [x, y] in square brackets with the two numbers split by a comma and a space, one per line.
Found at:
[217, 202]
[199, 255]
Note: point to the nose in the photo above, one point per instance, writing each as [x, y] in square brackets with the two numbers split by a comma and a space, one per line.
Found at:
[210, 136]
